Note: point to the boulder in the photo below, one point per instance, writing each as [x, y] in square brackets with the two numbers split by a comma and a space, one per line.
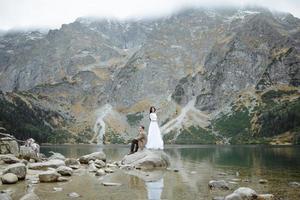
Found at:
[242, 193]
[45, 165]
[109, 170]
[28, 153]
[147, 159]
[18, 169]
[64, 170]
[62, 179]
[100, 172]
[93, 156]
[100, 163]
[92, 167]
[9, 159]
[72, 161]
[49, 176]
[219, 184]
[5, 196]
[8, 145]
[56, 156]
[9, 178]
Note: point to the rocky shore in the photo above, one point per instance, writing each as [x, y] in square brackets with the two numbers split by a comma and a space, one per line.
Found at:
[147, 165]
[57, 168]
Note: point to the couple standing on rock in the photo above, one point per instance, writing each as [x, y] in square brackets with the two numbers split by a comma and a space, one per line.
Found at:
[154, 138]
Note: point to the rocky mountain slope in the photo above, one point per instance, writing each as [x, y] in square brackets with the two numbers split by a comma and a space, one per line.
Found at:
[216, 75]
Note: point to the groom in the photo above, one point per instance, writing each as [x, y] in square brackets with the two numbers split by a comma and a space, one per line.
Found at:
[140, 141]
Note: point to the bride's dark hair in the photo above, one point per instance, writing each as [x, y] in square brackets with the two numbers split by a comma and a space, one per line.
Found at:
[152, 109]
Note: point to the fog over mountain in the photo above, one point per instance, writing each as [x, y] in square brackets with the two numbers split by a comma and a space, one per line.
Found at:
[15, 14]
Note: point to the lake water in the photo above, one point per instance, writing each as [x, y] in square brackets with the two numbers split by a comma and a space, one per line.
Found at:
[197, 165]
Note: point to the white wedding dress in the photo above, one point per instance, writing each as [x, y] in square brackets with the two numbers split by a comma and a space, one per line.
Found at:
[154, 136]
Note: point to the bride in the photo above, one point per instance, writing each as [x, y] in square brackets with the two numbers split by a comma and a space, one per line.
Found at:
[154, 136]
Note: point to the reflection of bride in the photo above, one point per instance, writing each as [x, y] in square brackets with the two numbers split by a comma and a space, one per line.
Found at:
[155, 189]
[154, 182]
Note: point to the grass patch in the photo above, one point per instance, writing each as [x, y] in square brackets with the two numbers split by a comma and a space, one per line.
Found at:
[135, 118]
[196, 135]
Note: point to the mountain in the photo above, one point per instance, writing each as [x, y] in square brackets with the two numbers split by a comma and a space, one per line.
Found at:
[216, 75]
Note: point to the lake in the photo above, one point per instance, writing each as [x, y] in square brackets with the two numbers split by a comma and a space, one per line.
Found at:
[196, 165]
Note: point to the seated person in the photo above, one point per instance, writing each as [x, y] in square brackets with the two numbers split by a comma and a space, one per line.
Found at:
[139, 142]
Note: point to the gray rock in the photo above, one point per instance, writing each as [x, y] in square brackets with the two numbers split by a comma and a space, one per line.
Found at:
[100, 172]
[56, 156]
[242, 193]
[233, 196]
[62, 179]
[72, 161]
[147, 159]
[49, 176]
[64, 170]
[109, 170]
[44, 165]
[92, 167]
[218, 184]
[93, 156]
[5, 196]
[9, 159]
[28, 153]
[100, 163]
[9, 178]
[18, 169]
[8, 145]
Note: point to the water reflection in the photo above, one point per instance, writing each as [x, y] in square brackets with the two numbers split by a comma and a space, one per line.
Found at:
[196, 165]
[153, 180]
[155, 189]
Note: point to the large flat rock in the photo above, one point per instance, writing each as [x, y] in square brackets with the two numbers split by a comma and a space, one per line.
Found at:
[147, 159]
[47, 164]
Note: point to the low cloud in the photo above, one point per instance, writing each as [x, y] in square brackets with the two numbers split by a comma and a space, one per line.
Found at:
[53, 13]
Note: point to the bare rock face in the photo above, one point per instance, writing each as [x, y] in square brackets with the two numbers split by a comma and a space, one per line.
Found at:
[19, 169]
[147, 159]
[200, 69]
[93, 156]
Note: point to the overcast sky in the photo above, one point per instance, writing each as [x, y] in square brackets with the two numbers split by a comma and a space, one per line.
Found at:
[53, 13]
